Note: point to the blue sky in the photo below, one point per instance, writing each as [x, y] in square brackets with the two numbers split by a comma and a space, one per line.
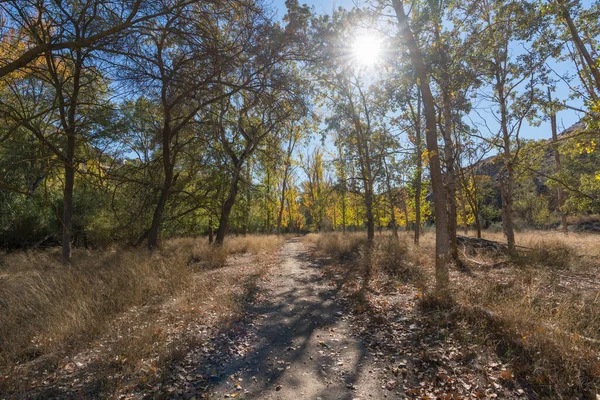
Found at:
[321, 6]
[565, 119]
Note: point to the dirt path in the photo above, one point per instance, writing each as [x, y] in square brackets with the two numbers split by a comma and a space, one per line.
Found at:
[297, 343]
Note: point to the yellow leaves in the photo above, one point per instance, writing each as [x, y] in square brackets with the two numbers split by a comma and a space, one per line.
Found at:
[587, 147]
[13, 45]
[425, 157]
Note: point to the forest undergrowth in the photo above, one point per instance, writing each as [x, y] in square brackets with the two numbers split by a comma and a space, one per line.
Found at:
[116, 318]
[539, 312]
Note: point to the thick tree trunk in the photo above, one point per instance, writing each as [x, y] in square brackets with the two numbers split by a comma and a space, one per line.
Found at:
[69, 124]
[507, 186]
[442, 247]
[227, 206]
[478, 224]
[448, 148]
[154, 233]
[291, 226]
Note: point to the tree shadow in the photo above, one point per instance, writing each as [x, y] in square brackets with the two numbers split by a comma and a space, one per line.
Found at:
[283, 327]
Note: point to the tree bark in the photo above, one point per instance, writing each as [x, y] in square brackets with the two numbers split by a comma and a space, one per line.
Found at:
[227, 206]
[68, 113]
[370, 216]
[507, 179]
[67, 233]
[591, 64]
[286, 172]
[478, 224]
[419, 175]
[282, 201]
[448, 147]
[442, 246]
[559, 189]
[168, 164]
[391, 199]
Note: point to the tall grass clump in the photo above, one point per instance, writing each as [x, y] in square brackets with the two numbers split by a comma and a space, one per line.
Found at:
[553, 254]
[337, 245]
[47, 307]
[391, 256]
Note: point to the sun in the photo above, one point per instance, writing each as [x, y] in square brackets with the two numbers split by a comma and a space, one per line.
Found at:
[366, 50]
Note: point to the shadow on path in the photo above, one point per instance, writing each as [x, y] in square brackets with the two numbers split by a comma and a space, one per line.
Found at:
[295, 344]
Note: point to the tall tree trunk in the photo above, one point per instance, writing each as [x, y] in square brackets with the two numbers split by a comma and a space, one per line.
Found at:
[391, 199]
[248, 197]
[370, 216]
[344, 188]
[344, 210]
[585, 54]
[393, 216]
[419, 176]
[506, 186]
[442, 246]
[449, 150]
[154, 233]
[405, 207]
[69, 124]
[268, 202]
[227, 206]
[507, 180]
[291, 218]
[67, 231]
[286, 172]
[478, 224]
[282, 198]
[559, 190]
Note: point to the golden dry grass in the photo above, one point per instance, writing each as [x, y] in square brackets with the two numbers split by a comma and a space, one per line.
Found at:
[46, 307]
[540, 310]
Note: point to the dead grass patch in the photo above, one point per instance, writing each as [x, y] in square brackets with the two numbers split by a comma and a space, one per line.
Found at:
[133, 300]
[540, 311]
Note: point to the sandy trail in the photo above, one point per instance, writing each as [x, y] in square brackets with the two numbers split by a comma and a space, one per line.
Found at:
[301, 345]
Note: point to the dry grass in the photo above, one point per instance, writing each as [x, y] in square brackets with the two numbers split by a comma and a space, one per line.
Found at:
[343, 247]
[47, 309]
[540, 311]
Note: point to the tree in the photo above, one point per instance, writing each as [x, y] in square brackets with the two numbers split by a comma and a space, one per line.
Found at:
[443, 256]
[512, 82]
[49, 26]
